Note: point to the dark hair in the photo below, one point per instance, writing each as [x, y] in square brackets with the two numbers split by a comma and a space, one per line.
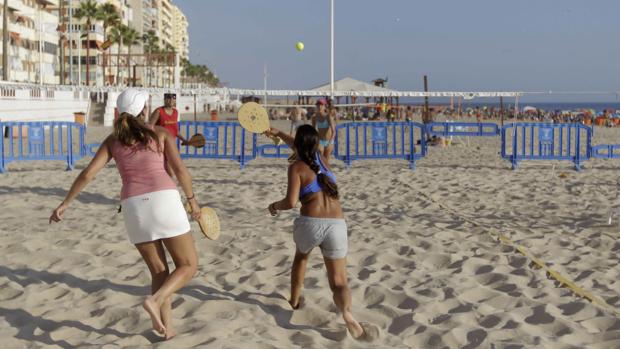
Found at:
[307, 145]
[129, 130]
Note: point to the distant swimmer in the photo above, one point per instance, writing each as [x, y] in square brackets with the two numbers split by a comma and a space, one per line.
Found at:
[154, 215]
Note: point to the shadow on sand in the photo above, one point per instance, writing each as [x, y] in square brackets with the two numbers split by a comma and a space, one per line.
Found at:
[25, 276]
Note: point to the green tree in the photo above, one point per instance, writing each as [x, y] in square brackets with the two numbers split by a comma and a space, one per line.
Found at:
[108, 14]
[170, 52]
[116, 36]
[88, 10]
[150, 43]
[131, 37]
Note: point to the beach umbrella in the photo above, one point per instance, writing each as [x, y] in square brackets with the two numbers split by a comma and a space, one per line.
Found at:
[529, 108]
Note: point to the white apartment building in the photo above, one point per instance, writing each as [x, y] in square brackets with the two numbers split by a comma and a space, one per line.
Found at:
[165, 24]
[33, 41]
[180, 36]
[35, 28]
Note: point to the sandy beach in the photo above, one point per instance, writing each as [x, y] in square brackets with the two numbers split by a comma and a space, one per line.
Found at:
[425, 264]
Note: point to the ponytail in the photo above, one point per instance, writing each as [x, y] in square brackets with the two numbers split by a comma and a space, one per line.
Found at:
[130, 130]
[306, 144]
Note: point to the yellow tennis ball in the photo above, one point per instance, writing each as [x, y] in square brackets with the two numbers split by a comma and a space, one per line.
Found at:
[299, 46]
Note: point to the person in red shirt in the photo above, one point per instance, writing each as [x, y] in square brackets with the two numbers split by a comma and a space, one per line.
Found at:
[168, 116]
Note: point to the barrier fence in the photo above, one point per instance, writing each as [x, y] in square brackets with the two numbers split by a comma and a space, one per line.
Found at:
[274, 151]
[464, 129]
[40, 141]
[29, 141]
[606, 151]
[536, 141]
[380, 140]
[224, 140]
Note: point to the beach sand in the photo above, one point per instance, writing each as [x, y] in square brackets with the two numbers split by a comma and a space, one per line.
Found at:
[425, 264]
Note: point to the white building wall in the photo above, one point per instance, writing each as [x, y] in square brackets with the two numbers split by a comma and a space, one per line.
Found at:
[41, 104]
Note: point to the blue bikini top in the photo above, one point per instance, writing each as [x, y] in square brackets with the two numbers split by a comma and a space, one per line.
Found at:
[314, 186]
[322, 124]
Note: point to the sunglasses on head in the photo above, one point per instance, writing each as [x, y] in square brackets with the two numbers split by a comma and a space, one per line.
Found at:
[170, 96]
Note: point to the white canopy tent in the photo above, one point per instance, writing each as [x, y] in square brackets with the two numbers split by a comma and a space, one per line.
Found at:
[351, 85]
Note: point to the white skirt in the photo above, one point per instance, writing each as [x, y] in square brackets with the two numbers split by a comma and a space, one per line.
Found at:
[154, 216]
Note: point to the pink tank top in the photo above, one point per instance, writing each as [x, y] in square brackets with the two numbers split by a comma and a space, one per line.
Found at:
[141, 169]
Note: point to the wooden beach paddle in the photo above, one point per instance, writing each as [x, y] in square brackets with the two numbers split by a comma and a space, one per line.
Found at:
[209, 222]
[197, 140]
[254, 118]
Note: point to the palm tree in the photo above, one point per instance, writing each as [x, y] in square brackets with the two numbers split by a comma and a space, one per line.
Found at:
[170, 50]
[109, 16]
[130, 37]
[150, 43]
[88, 10]
[116, 36]
[185, 65]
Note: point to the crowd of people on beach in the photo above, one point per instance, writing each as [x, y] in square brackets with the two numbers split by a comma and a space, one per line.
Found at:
[385, 112]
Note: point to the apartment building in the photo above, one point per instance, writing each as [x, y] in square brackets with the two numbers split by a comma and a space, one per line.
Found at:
[36, 26]
[33, 41]
[180, 36]
[165, 22]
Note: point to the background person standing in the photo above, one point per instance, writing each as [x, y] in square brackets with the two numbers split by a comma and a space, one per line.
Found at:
[168, 116]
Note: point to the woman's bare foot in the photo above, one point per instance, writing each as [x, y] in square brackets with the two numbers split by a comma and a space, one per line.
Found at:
[170, 332]
[153, 309]
[355, 329]
[296, 304]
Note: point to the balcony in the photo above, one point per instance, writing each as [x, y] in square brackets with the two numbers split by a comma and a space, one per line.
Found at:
[19, 7]
[24, 32]
[53, 3]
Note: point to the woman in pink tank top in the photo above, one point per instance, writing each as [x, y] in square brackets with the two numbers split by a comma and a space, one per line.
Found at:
[153, 212]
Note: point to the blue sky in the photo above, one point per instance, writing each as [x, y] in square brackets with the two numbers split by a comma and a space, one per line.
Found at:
[483, 45]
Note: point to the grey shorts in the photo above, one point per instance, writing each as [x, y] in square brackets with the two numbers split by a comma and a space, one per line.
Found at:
[328, 233]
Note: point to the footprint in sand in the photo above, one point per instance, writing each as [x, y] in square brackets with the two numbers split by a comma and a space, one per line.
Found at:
[540, 316]
[475, 338]
[400, 324]
[490, 321]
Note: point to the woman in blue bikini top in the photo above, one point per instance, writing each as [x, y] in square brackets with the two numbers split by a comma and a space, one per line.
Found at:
[310, 179]
[321, 223]
[323, 123]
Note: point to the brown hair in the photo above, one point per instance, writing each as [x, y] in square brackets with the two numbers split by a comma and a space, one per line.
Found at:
[130, 130]
[307, 146]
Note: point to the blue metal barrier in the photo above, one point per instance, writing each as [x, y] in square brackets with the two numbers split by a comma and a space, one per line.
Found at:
[465, 129]
[380, 140]
[274, 151]
[29, 141]
[606, 151]
[537, 141]
[224, 140]
[91, 149]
